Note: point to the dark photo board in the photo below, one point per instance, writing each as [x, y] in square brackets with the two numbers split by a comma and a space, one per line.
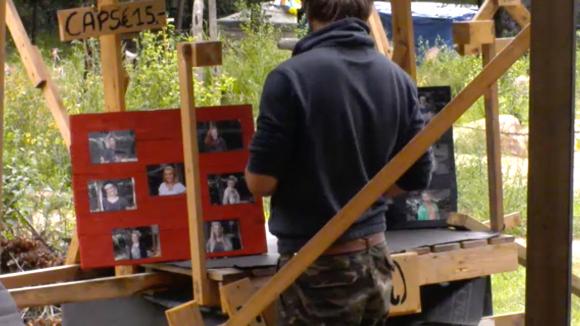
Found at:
[166, 179]
[222, 236]
[431, 207]
[112, 195]
[115, 146]
[148, 213]
[220, 136]
[229, 189]
[136, 243]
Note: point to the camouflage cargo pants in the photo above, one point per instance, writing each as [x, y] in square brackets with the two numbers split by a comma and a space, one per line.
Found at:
[350, 289]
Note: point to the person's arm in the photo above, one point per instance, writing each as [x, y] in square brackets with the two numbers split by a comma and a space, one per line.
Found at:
[418, 176]
[273, 142]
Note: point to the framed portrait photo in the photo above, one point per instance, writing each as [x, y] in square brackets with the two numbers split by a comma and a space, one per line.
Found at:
[432, 206]
[136, 243]
[112, 146]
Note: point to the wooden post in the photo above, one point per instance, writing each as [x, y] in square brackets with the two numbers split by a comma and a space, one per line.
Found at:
[404, 37]
[378, 33]
[550, 176]
[114, 76]
[201, 286]
[493, 139]
[385, 178]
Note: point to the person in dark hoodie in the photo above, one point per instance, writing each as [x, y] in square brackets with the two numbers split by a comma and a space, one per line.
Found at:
[330, 118]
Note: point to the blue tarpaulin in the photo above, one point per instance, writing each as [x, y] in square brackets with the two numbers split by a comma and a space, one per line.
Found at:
[432, 21]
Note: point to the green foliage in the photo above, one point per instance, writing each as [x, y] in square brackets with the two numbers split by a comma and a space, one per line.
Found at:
[249, 60]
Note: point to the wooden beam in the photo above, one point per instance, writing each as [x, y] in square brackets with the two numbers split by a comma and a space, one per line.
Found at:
[520, 14]
[551, 154]
[384, 179]
[114, 75]
[508, 3]
[205, 54]
[378, 34]
[487, 10]
[403, 37]
[40, 276]
[511, 319]
[201, 286]
[96, 289]
[37, 71]
[187, 314]
[467, 263]
[474, 32]
[73, 254]
[493, 141]
[235, 294]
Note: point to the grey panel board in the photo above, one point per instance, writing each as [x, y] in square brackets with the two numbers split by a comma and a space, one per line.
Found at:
[9, 315]
[241, 262]
[401, 240]
[131, 311]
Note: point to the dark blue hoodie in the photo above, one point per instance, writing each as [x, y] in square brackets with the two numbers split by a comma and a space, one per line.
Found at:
[330, 118]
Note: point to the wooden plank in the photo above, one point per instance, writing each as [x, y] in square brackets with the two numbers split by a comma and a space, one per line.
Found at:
[507, 3]
[468, 222]
[406, 295]
[467, 263]
[551, 154]
[187, 314]
[504, 238]
[126, 270]
[512, 319]
[520, 14]
[206, 54]
[420, 250]
[384, 179]
[201, 286]
[473, 244]
[378, 34]
[502, 42]
[487, 10]
[404, 37]
[235, 295]
[510, 221]
[446, 247]
[168, 268]
[41, 276]
[493, 142]
[73, 253]
[114, 80]
[82, 291]
[37, 71]
[225, 274]
[474, 32]
[110, 18]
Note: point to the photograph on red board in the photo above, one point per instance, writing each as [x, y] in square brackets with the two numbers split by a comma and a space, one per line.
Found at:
[229, 189]
[166, 179]
[136, 243]
[112, 195]
[220, 136]
[222, 236]
[112, 146]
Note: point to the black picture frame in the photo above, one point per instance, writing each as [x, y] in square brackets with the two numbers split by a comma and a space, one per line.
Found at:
[431, 207]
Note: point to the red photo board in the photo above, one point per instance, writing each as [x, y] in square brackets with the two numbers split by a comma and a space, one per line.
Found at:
[129, 186]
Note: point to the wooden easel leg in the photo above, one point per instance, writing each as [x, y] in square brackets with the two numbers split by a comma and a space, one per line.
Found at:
[187, 314]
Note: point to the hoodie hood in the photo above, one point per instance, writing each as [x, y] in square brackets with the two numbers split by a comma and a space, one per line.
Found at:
[348, 32]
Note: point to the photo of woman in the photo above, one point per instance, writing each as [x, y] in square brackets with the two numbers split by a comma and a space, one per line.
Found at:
[112, 195]
[213, 142]
[222, 236]
[166, 179]
[231, 195]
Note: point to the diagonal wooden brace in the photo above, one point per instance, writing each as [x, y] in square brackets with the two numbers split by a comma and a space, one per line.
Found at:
[383, 180]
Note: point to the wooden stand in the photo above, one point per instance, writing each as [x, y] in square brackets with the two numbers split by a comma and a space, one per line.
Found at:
[240, 297]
